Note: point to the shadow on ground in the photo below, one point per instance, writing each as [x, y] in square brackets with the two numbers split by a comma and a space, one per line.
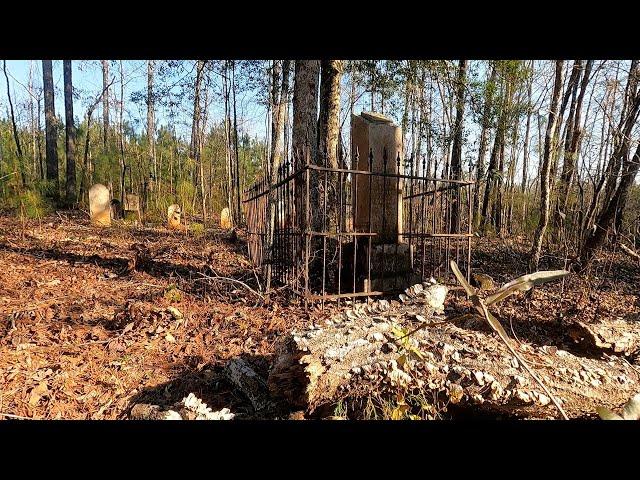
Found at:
[211, 386]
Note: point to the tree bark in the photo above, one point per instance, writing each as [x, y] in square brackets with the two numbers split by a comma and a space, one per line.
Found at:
[195, 121]
[545, 180]
[329, 123]
[70, 133]
[105, 103]
[486, 125]
[123, 164]
[304, 136]
[456, 153]
[16, 137]
[279, 99]
[151, 124]
[50, 124]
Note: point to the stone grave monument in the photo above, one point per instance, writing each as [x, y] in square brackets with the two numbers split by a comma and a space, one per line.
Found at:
[100, 205]
[390, 257]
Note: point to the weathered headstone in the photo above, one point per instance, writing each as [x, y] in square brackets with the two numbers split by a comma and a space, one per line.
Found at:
[372, 132]
[131, 203]
[100, 205]
[225, 219]
[173, 217]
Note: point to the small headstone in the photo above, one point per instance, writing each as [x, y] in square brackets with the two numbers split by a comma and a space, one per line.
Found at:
[225, 219]
[100, 205]
[131, 203]
[173, 217]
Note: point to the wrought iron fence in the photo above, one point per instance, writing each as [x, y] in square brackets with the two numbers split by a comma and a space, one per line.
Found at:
[345, 233]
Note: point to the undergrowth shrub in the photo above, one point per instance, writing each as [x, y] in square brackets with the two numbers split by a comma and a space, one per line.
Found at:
[34, 202]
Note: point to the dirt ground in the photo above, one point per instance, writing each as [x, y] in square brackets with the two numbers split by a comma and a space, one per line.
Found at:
[95, 320]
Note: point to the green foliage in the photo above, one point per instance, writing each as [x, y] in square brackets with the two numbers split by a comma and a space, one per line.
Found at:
[197, 229]
[172, 294]
[30, 203]
[185, 195]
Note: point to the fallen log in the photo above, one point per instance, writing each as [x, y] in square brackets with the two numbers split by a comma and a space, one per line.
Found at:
[253, 386]
[366, 352]
[612, 336]
[629, 252]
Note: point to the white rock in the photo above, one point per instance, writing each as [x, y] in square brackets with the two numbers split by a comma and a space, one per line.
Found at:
[542, 399]
[376, 337]
[398, 377]
[496, 390]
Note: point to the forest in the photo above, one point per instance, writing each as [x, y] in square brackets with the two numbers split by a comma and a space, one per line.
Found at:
[320, 239]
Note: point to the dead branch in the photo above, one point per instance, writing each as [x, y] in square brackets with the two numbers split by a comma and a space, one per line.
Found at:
[230, 280]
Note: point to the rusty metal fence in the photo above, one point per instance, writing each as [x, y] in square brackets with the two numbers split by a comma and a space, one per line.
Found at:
[345, 233]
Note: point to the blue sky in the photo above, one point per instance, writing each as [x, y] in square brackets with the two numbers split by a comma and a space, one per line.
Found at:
[87, 81]
[252, 116]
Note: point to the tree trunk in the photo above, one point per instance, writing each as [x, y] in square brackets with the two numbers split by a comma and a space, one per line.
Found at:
[50, 124]
[456, 154]
[23, 179]
[329, 127]
[525, 156]
[494, 169]
[279, 98]
[545, 180]
[195, 122]
[37, 173]
[304, 136]
[227, 137]
[105, 103]
[151, 124]
[486, 125]
[622, 144]
[70, 133]
[236, 151]
[123, 164]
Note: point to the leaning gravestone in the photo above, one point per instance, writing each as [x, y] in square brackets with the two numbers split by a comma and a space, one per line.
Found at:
[132, 204]
[225, 219]
[173, 217]
[100, 205]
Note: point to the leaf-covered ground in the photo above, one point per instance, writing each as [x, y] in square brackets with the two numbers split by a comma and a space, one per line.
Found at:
[94, 320]
[86, 328]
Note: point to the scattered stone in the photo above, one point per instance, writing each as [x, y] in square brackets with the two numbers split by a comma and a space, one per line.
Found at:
[375, 337]
[496, 390]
